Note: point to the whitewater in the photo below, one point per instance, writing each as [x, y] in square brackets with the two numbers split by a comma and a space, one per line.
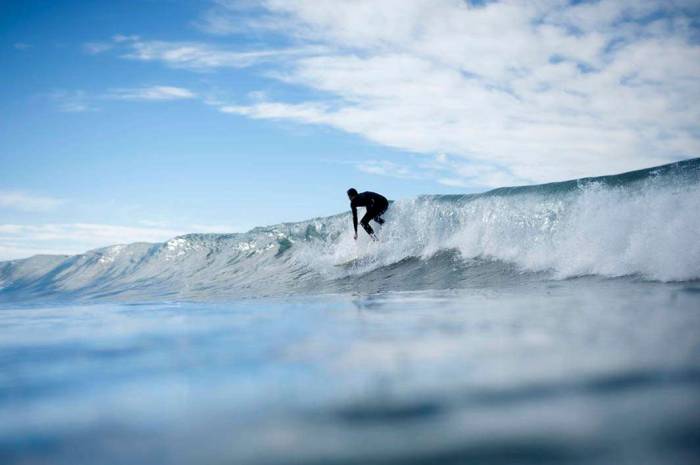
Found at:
[546, 324]
[640, 224]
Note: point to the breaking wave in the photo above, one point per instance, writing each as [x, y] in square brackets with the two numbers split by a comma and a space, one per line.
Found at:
[643, 224]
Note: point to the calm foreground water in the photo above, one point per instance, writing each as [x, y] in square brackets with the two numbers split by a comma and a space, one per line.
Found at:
[579, 371]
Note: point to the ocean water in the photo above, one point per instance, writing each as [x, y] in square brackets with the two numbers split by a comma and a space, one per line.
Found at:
[556, 324]
[587, 370]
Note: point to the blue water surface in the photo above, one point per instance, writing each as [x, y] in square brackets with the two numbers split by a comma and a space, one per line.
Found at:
[586, 370]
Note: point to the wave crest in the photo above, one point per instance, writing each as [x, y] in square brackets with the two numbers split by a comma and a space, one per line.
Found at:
[642, 223]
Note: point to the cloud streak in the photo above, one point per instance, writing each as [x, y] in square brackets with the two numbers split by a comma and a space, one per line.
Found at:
[157, 93]
[518, 91]
[28, 202]
[196, 56]
[447, 170]
[78, 101]
[24, 240]
[536, 91]
[387, 168]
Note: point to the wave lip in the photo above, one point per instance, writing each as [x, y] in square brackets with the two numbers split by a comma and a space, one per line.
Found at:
[643, 223]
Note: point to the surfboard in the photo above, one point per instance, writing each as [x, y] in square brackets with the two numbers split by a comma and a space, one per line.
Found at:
[354, 262]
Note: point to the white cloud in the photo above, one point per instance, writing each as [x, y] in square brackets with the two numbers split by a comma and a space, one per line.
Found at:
[447, 170]
[75, 107]
[152, 93]
[522, 91]
[119, 38]
[21, 46]
[387, 168]
[196, 55]
[89, 232]
[28, 202]
[306, 112]
[24, 240]
[456, 172]
[77, 101]
[227, 17]
[94, 48]
[453, 182]
[72, 101]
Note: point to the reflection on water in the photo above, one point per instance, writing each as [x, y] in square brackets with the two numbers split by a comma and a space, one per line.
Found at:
[587, 371]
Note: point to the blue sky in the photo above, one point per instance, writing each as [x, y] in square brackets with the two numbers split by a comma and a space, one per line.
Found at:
[126, 120]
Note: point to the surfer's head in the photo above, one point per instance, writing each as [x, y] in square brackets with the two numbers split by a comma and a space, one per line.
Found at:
[352, 193]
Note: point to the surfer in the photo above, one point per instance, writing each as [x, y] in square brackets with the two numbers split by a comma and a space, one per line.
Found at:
[375, 206]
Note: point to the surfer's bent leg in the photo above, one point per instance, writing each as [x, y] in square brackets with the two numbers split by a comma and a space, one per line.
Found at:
[378, 215]
[365, 221]
[373, 213]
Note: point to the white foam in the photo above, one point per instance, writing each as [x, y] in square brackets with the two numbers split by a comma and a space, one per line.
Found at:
[649, 230]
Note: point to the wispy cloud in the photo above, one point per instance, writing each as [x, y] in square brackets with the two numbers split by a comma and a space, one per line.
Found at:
[457, 172]
[98, 47]
[76, 101]
[387, 168]
[519, 91]
[225, 17]
[533, 91]
[196, 56]
[454, 182]
[202, 57]
[24, 240]
[304, 112]
[151, 93]
[21, 46]
[451, 171]
[28, 202]
[94, 48]
[89, 233]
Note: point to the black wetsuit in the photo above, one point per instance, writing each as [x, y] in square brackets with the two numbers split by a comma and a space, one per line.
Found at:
[375, 204]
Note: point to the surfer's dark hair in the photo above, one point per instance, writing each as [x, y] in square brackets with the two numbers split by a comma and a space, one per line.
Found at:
[352, 192]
